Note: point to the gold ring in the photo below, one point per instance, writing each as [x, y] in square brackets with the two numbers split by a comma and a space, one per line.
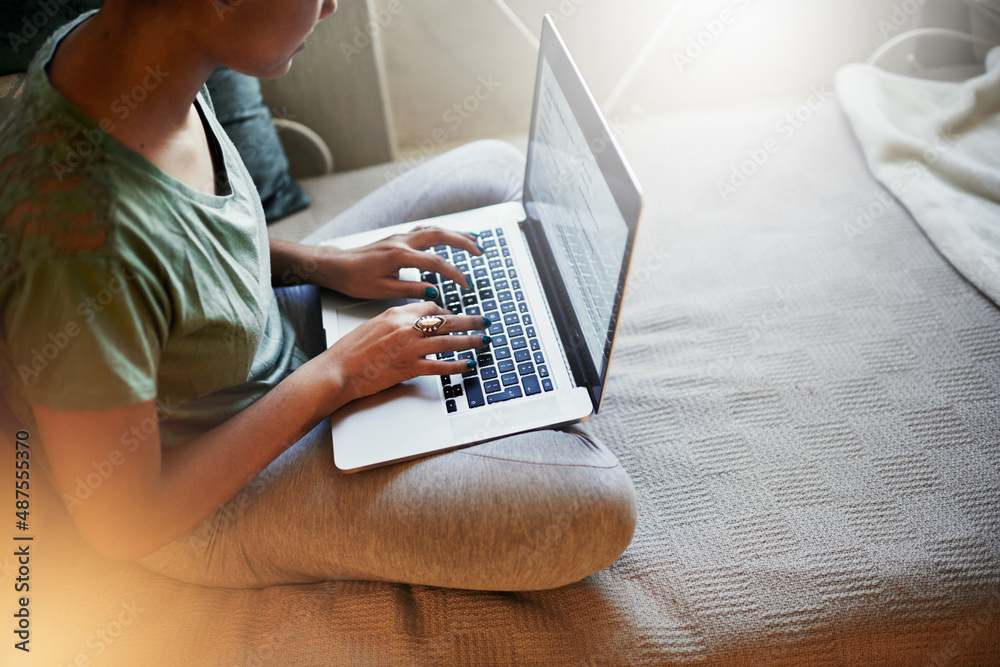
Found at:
[429, 324]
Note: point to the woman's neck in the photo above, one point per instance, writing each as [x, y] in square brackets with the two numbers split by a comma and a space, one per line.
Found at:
[138, 73]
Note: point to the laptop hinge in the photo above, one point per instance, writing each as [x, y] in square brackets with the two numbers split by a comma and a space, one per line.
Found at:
[561, 310]
[548, 313]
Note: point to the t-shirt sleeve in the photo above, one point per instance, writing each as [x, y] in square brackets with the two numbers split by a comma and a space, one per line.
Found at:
[84, 333]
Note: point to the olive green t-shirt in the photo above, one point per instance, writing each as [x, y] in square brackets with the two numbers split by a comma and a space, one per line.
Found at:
[120, 284]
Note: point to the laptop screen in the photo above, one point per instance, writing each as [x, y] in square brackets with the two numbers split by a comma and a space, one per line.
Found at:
[586, 229]
[585, 201]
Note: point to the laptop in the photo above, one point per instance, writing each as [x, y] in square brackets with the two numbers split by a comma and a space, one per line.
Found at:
[551, 281]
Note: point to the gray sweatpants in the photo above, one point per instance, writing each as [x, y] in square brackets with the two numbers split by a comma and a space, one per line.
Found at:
[527, 512]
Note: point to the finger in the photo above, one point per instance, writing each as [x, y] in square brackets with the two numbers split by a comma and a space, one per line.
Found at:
[428, 237]
[411, 311]
[428, 261]
[435, 367]
[439, 344]
[459, 323]
[455, 323]
[407, 289]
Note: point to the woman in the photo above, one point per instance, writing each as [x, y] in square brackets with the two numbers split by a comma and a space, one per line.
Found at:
[135, 237]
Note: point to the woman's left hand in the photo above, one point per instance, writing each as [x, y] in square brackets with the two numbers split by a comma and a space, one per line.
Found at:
[372, 271]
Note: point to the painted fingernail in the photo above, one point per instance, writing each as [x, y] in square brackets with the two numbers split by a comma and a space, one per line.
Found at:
[481, 248]
[486, 340]
[468, 281]
[471, 363]
[487, 322]
[473, 234]
[431, 293]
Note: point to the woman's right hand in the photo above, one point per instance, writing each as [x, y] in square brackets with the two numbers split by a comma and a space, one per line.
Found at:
[387, 350]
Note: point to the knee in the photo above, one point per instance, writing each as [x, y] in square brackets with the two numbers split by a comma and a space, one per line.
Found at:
[503, 169]
[591, 529]
[576, 509]
[501, 154]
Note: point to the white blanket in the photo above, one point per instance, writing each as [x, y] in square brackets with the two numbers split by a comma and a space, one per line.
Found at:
[936, 146]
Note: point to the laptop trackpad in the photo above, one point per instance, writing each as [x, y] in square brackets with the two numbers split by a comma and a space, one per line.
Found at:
[400, 422]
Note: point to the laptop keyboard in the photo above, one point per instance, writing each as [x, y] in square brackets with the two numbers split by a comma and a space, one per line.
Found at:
[514, 365]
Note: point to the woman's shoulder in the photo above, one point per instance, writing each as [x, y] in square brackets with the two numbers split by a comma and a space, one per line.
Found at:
[62, 184]
[52, 189]
[41, 125]
[55, 186]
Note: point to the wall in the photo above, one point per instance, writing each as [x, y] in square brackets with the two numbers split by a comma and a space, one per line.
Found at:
[336, 89]
[436, 51]
[458, 70]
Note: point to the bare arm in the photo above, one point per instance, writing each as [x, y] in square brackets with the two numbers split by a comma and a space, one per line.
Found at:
[292, 263]
[153, 497]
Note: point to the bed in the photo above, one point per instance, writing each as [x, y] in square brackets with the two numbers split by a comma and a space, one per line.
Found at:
[808, 401]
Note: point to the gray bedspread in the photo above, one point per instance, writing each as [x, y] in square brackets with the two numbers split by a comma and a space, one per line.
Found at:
[811, 415]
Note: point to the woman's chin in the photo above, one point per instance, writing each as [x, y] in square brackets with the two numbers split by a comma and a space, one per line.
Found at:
[278, 70]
